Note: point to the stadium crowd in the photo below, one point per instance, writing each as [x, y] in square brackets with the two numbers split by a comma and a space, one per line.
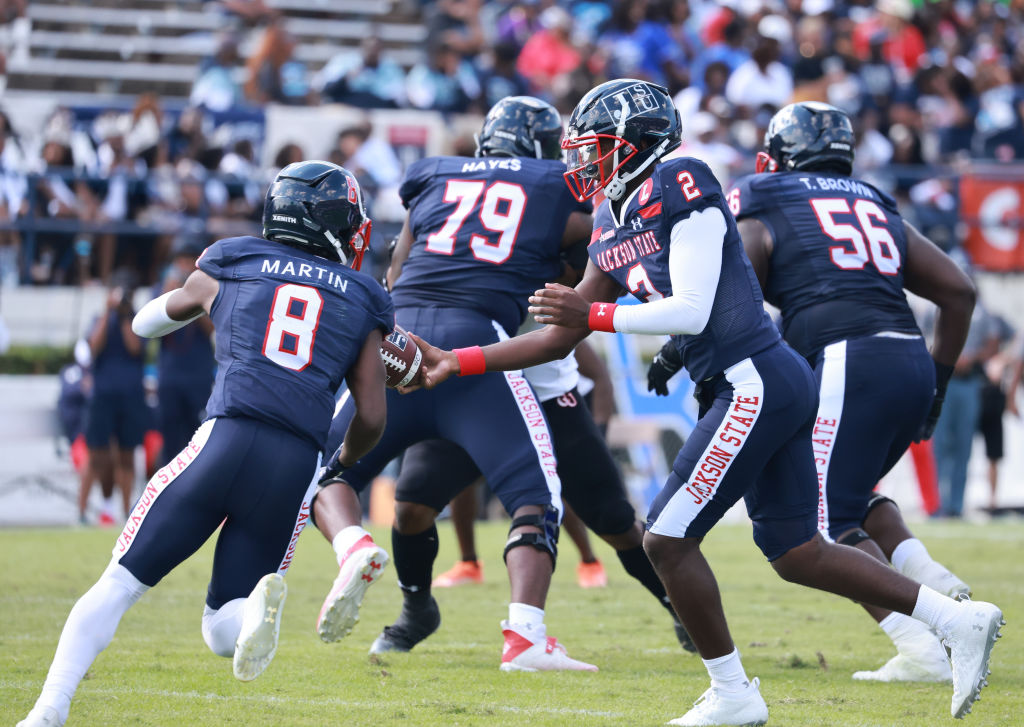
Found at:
[927, 84]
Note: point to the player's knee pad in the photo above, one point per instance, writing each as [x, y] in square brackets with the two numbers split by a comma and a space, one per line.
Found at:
[546, 540]
[221, 627]
[852, 537]
[874, 502]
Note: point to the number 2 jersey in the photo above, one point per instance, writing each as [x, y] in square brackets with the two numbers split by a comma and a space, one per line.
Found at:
[635, 253]
[837, 257]
[289, 325]
[487, 233]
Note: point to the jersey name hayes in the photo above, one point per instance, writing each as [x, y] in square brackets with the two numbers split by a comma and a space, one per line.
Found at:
[482, 165]
[304, 270]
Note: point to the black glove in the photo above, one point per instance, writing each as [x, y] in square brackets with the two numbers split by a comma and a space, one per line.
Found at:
[333, 468]
[665, 365]
[942, 374]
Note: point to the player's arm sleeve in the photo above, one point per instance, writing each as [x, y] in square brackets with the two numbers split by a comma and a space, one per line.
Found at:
[695, 264]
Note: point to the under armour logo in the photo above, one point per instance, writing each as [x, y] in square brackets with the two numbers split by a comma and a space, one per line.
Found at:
[637, 223]
[600, 309]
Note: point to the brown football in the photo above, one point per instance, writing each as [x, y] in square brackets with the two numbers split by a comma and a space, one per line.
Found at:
[401, 358]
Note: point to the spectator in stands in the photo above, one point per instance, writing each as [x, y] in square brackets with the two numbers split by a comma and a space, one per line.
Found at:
[116, 415]
[763, 80]
[273, 73]
[638, 44]
[519, 23]
[729, 50]
[446, 82]
[288, 154]
[215, 87]
[455, 24]
[695, 97]
[549, 56]
[903, 44]
[999, 124]
[241, 178]
[13, 202]
[362, 78]
[186, 365]
[499, 77]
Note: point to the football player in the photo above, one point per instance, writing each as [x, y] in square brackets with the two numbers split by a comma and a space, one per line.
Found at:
[834, 255]
[480, 234]
[293, 319]
[665, 234]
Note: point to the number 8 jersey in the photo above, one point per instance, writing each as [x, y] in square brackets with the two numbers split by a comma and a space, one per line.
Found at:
[837, 256]
[487, 233]
[289, 325]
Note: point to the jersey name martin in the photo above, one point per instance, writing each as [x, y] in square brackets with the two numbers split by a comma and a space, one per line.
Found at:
[483, 165]
[304, 270]
[628, 251]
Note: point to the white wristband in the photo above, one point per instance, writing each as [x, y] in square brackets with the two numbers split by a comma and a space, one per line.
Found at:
[152, 321]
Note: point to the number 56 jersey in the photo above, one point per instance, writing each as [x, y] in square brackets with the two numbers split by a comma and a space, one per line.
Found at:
[837, 256]
[487, 233]
[289, 325]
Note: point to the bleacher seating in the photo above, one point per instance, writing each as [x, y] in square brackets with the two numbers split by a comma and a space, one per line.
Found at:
[112, 47]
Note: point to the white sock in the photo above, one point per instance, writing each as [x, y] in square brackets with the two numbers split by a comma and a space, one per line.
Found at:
[221, 627]
[936, 610]
[108, 506]
[727, 673]
[905, 632]
[345, 539]
[910, 554]
[88, 630]
[528, 617]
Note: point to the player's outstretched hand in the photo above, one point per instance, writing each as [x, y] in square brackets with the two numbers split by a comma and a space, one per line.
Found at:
[665, 365]
[560, 305]
[437, 365]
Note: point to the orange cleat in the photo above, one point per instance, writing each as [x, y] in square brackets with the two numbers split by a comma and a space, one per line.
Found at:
[591, 575]
[462, 573]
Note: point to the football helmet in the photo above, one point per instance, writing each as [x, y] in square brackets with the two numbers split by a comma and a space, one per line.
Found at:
[808, 135]
[521, 126]
[638, 125]
[317, 206]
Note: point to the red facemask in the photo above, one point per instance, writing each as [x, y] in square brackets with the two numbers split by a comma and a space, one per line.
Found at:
[765, 163]
[584, 174]
[360, 242]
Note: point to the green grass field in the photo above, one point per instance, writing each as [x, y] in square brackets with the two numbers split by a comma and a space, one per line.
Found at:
[803, 645]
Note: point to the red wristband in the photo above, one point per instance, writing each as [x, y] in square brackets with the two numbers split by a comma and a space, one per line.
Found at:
[601, 317]
[471, 361]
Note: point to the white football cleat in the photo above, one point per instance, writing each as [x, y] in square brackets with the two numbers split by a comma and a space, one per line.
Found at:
[905, 668]
[42, 717]
[970, 641]
[716, 707]
[361, 567]
[938, 578]
[261, 623]
[525, 652]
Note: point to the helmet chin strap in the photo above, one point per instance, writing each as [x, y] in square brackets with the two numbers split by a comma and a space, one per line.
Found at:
[337, 247]
[616, 188]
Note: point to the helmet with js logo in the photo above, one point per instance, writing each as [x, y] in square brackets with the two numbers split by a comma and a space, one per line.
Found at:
[629, 121]
[318, 207]
[808, 135]
[521, 126]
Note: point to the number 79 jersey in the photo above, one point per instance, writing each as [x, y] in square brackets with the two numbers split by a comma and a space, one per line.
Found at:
[486, 233]
[836, 269]
[289, 326]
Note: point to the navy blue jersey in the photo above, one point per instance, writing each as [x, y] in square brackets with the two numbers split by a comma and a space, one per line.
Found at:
[115, 368]
[636, 253]
[487, 233]
[289, 326]
[837, 259]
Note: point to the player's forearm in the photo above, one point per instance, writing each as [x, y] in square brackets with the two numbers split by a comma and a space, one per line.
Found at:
[531, 349]
[952, 322]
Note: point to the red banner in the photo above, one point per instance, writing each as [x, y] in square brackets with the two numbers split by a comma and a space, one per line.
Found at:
[991, 207]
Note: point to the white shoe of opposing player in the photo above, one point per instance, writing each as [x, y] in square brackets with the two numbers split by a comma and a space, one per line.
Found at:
[42, 717]
[970, 642]
[361, 567]
[526, 652]
[261, 624]
[716, 707]
[937, 577]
